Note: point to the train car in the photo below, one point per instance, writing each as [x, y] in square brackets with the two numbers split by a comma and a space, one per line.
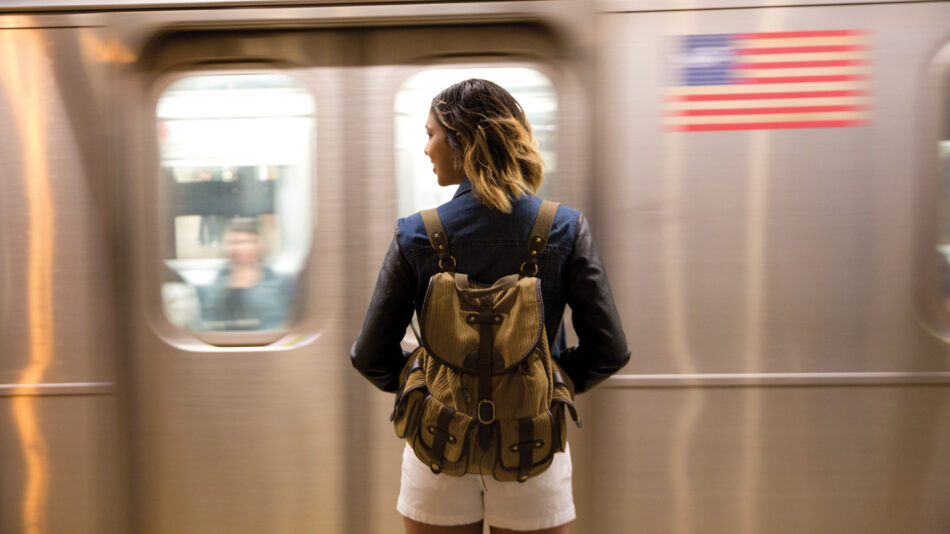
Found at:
[769, 184]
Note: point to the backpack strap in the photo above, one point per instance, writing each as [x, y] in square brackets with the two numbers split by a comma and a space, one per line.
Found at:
[538, 238]
[438, 239]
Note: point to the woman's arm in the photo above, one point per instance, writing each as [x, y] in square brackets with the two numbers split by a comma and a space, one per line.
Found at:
[376, 353]
[602, 348]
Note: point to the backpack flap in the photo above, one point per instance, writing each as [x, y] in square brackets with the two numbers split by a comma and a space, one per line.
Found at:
[455, 309]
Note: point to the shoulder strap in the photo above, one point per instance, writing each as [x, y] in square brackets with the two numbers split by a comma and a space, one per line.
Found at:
[438, 239]
[538, 238]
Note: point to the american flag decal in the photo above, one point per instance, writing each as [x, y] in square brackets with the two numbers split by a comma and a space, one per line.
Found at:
[757, 81]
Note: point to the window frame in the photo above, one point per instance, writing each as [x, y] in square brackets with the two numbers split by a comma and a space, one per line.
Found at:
[160, 219]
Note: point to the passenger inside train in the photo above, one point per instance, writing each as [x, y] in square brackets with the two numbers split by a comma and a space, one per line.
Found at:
[246, 294]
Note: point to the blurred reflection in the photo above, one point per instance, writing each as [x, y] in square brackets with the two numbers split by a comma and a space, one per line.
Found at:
[246, 294]
[237, 154]
[180, 300]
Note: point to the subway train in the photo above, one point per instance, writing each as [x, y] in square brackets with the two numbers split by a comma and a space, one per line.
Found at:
[768, 183]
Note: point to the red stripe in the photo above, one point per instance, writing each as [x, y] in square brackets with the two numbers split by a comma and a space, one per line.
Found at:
[803, 79]
[781, 35]
[798, 49]
[766, 125]
[800, 64]
[759, 111]
[765, 96]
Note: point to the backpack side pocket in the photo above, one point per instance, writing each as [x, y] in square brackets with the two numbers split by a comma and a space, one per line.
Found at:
[412, 391]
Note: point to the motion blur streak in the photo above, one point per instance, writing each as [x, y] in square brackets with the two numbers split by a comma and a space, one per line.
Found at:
[689, 413]
[756, 232]
[21, 58]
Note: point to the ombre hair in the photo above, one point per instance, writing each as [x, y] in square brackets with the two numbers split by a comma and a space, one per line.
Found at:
[492, 141]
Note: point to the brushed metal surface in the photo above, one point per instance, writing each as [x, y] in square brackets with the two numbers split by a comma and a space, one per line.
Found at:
[762, 259]
[777, 460]
[62, 471]
[764, 251]
[57, 293]
[782, 380]
[61, 457]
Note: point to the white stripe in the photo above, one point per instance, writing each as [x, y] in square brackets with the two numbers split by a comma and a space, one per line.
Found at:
[768, 88]
[804, 56]
[809, 71]
[800, 41]
[770, 103]
[771, 117]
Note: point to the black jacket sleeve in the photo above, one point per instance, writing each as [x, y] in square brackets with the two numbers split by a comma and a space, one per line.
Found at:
[602, 348]
[376, 353]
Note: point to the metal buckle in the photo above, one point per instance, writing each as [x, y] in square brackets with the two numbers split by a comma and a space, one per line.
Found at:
[525, 273]
[489, 418]
[443, 267]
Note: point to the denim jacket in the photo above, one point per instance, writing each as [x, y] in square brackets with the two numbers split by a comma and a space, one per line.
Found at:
[488, 244]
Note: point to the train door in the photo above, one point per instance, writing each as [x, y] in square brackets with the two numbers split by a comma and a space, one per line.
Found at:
[240, 399]
[280, 148]
[404, 69]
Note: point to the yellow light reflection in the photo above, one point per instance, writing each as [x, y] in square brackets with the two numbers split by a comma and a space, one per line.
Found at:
[103, 49]
[21, 60]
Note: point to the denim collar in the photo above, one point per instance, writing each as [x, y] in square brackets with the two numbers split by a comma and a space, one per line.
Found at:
[464, 187]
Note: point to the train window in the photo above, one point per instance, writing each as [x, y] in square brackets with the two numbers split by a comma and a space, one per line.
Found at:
[943, 233]
[417, 187]
[236, 156]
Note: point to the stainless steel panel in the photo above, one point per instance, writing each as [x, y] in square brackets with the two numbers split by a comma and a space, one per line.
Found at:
[765, 251]
[788, 459]
[60, 454]
[57, 294]
[767, 258]
[62, 465]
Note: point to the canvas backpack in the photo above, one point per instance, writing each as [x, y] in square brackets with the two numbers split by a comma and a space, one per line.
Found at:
[481, 393]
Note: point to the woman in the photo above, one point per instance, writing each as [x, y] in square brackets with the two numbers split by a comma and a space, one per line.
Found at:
[480, 140]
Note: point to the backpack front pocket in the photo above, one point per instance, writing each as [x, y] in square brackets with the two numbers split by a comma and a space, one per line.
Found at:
[441, 440]
[526, 446]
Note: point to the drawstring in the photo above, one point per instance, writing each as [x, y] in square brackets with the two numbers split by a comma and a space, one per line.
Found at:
[481, 474]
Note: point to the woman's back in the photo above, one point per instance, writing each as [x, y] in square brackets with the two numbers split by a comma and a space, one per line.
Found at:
[488, 244]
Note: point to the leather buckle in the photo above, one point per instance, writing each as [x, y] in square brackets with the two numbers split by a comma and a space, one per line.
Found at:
[485, 411]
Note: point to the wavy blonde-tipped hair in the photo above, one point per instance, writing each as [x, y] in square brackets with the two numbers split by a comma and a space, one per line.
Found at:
[492, 141]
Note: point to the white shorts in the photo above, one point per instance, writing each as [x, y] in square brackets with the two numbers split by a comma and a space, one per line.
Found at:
[544, 501]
